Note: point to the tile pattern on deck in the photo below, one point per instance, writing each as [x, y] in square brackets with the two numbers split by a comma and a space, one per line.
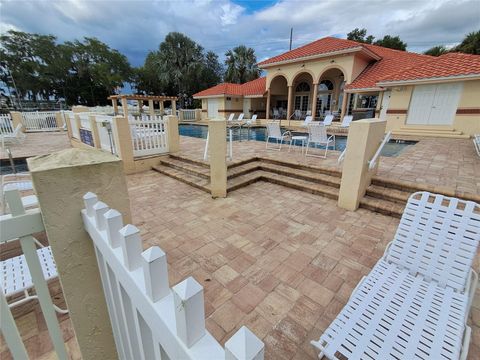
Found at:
[38, 143]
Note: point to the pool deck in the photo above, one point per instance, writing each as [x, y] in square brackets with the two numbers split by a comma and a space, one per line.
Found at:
[38, 143]
[280, 261]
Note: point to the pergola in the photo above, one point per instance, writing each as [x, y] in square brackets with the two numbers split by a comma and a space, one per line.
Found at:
[141, 99]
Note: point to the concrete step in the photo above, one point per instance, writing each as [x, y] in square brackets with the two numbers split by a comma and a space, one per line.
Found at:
[187, 178]
[430, 133]
[187, 167]
[389, 194]
[381, 206]
[189, 160]
[428, 128]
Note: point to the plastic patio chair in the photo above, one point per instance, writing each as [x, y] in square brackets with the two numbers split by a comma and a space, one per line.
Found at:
[274, 132]
[317, 134]
[308, 120]
[328, 120]
[21, 182]
[414, 304]
[347, 119]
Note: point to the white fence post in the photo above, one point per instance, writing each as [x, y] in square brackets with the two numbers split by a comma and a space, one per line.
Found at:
[189, 311]
[244, 345]
[155, 272]
[149, 320]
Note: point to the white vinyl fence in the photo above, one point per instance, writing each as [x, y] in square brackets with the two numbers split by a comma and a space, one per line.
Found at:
[187, 114]
[19, 226]
[70, 116]
[6, 126]
[40, 121]
[150, 320]
[149, 137]
[84, 120]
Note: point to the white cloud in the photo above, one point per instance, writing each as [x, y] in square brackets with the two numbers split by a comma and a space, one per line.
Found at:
[135, 27]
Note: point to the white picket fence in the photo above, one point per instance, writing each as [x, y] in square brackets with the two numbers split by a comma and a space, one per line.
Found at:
[19, 226]
[105, 130]
[150, 320]
[149, 137]
[40, 121]
[6, 126]
[187, 114]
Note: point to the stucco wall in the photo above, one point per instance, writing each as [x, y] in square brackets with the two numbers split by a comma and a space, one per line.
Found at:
[467, 119]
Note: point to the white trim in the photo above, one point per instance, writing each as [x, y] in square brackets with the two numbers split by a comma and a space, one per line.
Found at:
[323, 55]
[253, 96]
[432, 79]
[362, 90]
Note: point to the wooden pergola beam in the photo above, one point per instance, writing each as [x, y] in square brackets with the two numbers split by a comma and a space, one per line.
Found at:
[143, 97]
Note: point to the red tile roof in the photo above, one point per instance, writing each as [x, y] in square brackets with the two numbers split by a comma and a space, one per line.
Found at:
[451, 64]
[390, 63]
[251, 88]
[318, 47]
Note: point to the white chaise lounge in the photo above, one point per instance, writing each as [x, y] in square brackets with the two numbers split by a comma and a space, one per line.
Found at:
[476, 143]
[415, 302]
[347, 119]
[328, 120]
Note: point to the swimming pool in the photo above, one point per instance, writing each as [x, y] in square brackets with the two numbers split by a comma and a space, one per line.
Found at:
[392, 148]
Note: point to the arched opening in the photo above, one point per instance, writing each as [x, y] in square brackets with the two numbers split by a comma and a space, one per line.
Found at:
[279, 97]
[302, 96]
[330, 93]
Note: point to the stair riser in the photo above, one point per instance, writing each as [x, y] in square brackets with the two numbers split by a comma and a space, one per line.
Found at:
[185, 181]
[191, 161]
[242, 184]
[301, 177]
[393, 199]
[243, 172]
[300, 187]
[302, 167]
[185, 169]
[380, 211]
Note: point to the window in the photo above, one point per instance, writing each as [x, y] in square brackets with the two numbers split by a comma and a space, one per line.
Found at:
[366, 101]
[302, 87]
[325, 85]
[229, 98]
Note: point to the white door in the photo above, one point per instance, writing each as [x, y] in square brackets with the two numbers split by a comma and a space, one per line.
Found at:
[434, 104]
[212, 107]
[385, 102]
[445, 104]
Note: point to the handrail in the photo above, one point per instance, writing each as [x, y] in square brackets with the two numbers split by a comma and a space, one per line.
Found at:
[342, 156]
[372, 163]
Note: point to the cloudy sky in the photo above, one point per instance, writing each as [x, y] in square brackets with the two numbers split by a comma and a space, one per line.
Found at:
[135, 27]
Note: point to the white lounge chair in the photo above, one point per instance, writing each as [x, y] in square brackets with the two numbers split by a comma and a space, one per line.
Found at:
[276, 114]
[240, 117]
[308, 120]
[476, 143]
[230, 118]
[15, 137]
[274, 132]
[21, 182]
[347, 119]
[317, 135]
[327, 121]
[415, 302]
[16, 278]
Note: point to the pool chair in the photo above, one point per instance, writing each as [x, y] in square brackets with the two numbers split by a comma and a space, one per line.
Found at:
[476, 143]
[16, 278]
[240, 117]
[327, 121]
[308, 120]
[230, 118]
[415, 302]
[347, 119]
[317, 135]
[15, 137]
[274, 132]
[21, 182]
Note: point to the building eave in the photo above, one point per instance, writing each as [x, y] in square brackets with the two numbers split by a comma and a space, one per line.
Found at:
[361, 90]
[428, 80]
[323, 55]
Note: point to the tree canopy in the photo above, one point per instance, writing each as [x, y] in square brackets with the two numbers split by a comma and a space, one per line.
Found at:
[81, 72]
[436, 51]
[241, 63]
[392, 42]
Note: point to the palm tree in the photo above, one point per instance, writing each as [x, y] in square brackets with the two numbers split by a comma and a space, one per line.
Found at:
[470, 44]
[241, 65]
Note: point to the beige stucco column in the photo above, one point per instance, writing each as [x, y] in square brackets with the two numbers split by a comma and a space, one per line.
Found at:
[95, 134]
[69, 125]
[123, 143]
[140, 106]
[267, 114]
[289, 101]
[217, 149]
[314, 100]
[174, 108]
[364, 138]
[151, 109]
[344, 105]
[115, 106]
[125, 107]
[17, 119]
[172, 134]
[162, 107]
[60, 180]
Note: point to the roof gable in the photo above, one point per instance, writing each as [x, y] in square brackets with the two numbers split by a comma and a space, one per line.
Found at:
[251, 88]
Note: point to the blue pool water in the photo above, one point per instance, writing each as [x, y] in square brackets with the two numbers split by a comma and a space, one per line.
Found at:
[393, 148]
